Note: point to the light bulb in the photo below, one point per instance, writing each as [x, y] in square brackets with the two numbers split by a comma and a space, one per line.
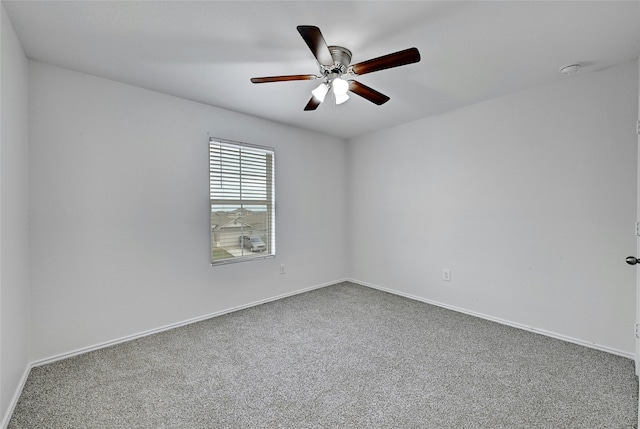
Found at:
[340, 87]
[321, 91]
[341, 98]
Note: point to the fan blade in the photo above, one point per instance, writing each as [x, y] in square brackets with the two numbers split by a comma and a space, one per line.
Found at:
[283, 78]
[312, 104]
[401, 58]
[369, 93]
[313, 37]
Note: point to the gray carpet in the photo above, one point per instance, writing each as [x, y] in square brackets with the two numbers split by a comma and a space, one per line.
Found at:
[344, 356]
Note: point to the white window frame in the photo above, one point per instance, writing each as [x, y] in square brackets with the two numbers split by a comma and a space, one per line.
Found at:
[241, 201]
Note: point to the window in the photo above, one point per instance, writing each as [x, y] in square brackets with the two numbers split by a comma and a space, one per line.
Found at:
[241, 193]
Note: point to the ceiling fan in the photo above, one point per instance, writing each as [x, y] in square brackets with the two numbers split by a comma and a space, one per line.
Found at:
[335, 70]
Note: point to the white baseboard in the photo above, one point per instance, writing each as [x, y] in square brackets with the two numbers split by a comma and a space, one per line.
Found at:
[501, 321]
[15, 398]
[83, 350]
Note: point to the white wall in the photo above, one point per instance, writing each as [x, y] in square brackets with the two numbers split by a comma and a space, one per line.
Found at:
[529, 199]
[14, 273]
[120, 212]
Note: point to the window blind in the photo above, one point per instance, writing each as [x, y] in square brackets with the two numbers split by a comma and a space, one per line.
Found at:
[241, 193]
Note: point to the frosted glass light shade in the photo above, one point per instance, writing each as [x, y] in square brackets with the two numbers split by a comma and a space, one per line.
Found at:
[321, 91]
[341, 98]
[340, 87]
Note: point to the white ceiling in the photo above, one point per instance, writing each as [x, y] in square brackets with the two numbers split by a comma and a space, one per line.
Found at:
[208, 50]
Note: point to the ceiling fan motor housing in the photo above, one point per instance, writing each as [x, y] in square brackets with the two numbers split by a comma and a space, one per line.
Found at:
[341, 60]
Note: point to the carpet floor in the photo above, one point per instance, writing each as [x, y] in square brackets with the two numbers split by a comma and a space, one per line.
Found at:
[344, 356]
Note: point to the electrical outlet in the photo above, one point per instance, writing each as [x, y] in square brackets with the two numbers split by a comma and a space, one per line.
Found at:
[282, 271]
[446, 274]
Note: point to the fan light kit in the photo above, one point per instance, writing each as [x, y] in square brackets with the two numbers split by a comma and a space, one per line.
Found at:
[334, 63]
